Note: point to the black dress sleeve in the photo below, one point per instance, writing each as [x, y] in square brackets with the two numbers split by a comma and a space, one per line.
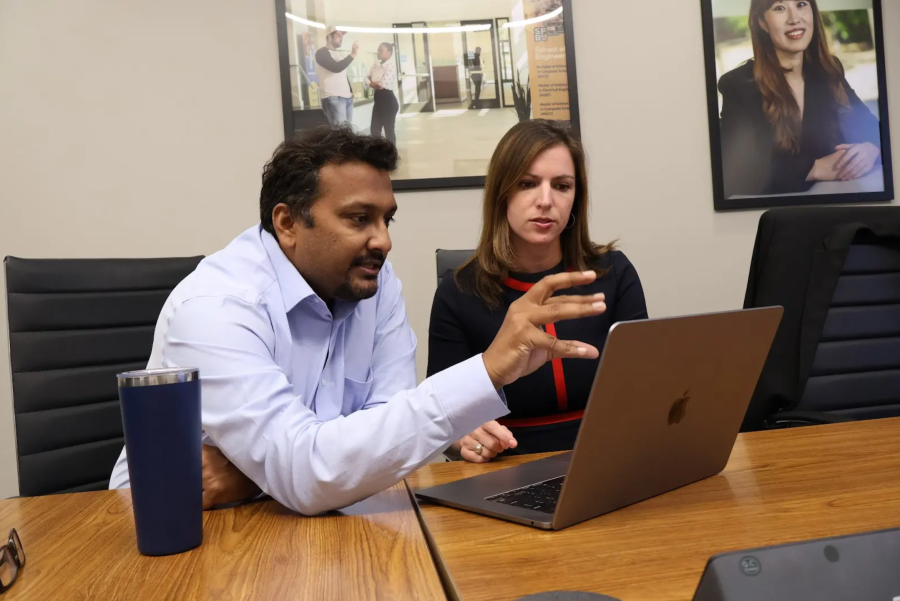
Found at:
[447, 343]
[326, 61]
[630, 301]
[741, 168]
[751, 164]
[859, 124]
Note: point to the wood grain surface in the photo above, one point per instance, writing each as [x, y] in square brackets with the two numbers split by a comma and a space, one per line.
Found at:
[779, 487]
[82, 546]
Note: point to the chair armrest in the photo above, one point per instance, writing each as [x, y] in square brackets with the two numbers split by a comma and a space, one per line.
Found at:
[790, 419]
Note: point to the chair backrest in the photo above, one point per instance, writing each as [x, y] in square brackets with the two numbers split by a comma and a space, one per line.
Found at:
[74, 324]
[797, 262]
[856, 370]
[448, 260]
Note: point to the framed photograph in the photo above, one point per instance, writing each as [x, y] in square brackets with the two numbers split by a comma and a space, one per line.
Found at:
[443, 80]
[797, 98]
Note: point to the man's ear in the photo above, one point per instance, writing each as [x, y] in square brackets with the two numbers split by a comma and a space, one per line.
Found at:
[284, 222]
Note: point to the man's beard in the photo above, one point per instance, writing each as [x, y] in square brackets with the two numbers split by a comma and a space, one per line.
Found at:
[348, 291]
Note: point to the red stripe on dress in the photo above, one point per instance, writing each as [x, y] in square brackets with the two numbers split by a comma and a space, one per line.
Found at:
[559, 376]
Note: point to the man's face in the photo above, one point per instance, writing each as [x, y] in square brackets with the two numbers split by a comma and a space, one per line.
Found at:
[336, 39]
[341, 255]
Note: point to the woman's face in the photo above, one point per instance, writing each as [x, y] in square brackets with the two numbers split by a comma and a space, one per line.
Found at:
[538, 210]
[384, 53]
[790, 24]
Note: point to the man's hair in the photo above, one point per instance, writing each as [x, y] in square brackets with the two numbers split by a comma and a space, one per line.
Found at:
[292, 175]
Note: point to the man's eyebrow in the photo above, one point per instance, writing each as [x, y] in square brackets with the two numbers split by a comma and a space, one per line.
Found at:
[361, 205]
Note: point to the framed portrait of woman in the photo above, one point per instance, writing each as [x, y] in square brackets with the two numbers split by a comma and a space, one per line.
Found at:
[797, 99]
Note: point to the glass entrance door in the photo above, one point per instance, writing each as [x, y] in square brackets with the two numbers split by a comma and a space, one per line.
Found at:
[416, 88]
[506, 63]
[482, 74]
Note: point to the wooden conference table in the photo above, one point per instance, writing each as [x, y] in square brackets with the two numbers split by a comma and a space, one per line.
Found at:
[778, 487]
[82, 547]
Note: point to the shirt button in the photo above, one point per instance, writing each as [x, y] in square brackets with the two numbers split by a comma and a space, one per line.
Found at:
[324, 382]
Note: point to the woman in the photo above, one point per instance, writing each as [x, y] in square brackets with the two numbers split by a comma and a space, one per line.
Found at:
[383, 79]
[535, 223]
[789, 117]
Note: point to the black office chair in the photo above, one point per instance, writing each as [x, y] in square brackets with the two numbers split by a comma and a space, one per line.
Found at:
[74, 324]
[448, 260]
[837, 356]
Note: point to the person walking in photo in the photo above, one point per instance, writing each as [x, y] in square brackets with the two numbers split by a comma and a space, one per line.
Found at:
[477, 76]
[334, 85]
[383, 79]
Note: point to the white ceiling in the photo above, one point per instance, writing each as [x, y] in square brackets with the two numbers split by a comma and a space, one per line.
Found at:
[372, 12]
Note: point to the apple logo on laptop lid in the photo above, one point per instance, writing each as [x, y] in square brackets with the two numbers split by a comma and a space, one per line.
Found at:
[679, 408]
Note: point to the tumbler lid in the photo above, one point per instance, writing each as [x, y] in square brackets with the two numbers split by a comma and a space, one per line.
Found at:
[156, 377]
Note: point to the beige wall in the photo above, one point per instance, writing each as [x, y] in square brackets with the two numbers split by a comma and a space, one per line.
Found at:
[129, 131]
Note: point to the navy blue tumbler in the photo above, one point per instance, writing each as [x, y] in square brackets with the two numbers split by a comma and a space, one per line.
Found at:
[161, 418]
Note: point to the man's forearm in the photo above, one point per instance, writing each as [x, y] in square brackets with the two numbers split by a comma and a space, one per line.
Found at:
[333, 464]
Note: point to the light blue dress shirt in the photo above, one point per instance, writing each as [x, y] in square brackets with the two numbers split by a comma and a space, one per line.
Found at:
[320, 410]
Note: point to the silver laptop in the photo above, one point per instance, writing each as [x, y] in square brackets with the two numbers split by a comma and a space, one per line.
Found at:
[664, 411]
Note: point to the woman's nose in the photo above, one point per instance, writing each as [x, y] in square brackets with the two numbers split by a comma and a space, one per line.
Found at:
[545, 197]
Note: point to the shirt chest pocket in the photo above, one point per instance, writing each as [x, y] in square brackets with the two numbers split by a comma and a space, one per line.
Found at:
[356, 391]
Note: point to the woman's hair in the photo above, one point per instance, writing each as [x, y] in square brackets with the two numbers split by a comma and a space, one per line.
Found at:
[779, 104]
[483, 274]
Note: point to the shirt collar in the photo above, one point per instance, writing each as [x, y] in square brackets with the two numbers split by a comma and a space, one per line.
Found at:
[294, 288]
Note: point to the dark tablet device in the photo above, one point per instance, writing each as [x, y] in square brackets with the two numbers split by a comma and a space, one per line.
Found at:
[864, 567]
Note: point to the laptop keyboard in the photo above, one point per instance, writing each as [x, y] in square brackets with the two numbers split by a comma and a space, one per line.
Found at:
[539, 497]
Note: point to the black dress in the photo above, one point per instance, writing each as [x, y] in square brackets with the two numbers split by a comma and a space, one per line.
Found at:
[752, 164]
[546, 406]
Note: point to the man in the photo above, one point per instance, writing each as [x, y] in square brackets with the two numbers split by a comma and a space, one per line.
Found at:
[477, 76]
[334, 85]
[306, 358]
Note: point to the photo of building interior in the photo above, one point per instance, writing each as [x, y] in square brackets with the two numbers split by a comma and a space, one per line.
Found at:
[462, 74]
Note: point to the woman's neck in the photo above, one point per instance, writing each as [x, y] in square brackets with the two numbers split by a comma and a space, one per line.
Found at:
[792, 62]
[533, 258]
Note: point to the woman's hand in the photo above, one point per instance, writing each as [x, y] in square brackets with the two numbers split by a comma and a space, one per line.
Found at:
[825, 169]
[858, 160]
[491, 439]
[375, 85]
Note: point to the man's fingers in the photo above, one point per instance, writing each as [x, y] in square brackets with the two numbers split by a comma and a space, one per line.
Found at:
[501, 433]
[576, 298]
[562, 311]
[544, 289]
[564, 349]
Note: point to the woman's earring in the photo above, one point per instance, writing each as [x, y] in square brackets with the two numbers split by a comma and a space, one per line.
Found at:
[571, 221]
